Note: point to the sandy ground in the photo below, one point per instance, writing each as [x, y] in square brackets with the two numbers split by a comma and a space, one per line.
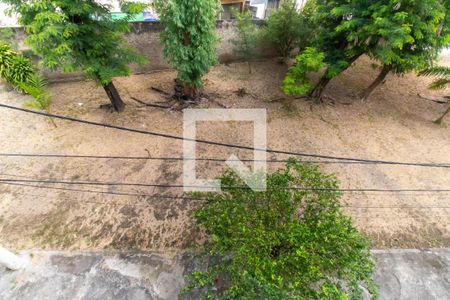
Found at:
[395, 124]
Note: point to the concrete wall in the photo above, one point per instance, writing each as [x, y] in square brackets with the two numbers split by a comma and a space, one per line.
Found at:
[144, 37]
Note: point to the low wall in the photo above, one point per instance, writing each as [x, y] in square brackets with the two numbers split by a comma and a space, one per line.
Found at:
[144, 37]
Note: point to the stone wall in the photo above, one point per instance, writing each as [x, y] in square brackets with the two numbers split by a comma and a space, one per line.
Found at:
[144, 37]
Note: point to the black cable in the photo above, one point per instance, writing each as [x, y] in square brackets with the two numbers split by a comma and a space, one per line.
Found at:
[97, 183]
[149, 195]
[157, 196]
[171, 158]
[170, 136]
[103, 192]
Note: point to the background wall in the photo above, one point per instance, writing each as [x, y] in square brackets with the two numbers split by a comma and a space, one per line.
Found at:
[145, 38]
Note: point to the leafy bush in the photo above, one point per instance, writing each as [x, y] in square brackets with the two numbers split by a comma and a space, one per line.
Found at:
[247, 37]
[296, 81]
[19, 72]
[6, 54]
[285, 243]
[287, 28]
[18, 69]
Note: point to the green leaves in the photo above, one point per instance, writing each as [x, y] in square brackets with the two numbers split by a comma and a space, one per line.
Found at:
[14, 68]
[18, 71]
[282, 243]
[296, 81]
[443, 76]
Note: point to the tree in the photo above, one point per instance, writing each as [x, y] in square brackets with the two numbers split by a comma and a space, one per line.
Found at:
[442, 81]
[406, 35]
[287, 28]
[402, 35]
[189, 40]
[284, 243]
[338, 51]
[80, 35]
[247, 37]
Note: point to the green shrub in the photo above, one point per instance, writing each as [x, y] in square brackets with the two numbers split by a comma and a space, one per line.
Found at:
[284, 243]
[18, 69]
[19, 72]
[6, 54]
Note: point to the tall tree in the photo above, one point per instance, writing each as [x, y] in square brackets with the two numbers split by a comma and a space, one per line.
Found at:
[247, 37]
[189, 40]
[287, 28]
[80, 35]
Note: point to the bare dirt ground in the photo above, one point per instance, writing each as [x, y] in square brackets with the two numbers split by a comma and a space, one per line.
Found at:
[395, 124]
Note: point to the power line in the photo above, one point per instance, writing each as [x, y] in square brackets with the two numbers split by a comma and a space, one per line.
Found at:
[102, 192]
[182, 197]
[170, 158]
[170, 136]
[317, 189]
[144, 194]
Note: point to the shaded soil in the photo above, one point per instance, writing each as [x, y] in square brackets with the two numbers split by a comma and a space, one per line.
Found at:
[395, 124]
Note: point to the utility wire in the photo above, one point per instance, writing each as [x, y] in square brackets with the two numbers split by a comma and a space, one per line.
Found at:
[170, 136]
[157, 196]
[149, 195]
[98, 183]
[170, 158]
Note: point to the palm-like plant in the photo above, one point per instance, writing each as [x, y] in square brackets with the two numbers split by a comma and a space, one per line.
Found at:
[442, 81]
[19, 72]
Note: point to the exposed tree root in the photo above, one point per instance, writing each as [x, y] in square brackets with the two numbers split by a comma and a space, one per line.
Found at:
[440, 101]
[160, 91]
[148, 104]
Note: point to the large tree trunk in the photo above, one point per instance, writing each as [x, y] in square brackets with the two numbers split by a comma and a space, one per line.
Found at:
[186, 92]
[439, 121]
[318, 90]
[384, 72]
[114, 97]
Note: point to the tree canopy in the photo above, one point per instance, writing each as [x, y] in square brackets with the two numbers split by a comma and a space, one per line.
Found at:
[284, 243]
